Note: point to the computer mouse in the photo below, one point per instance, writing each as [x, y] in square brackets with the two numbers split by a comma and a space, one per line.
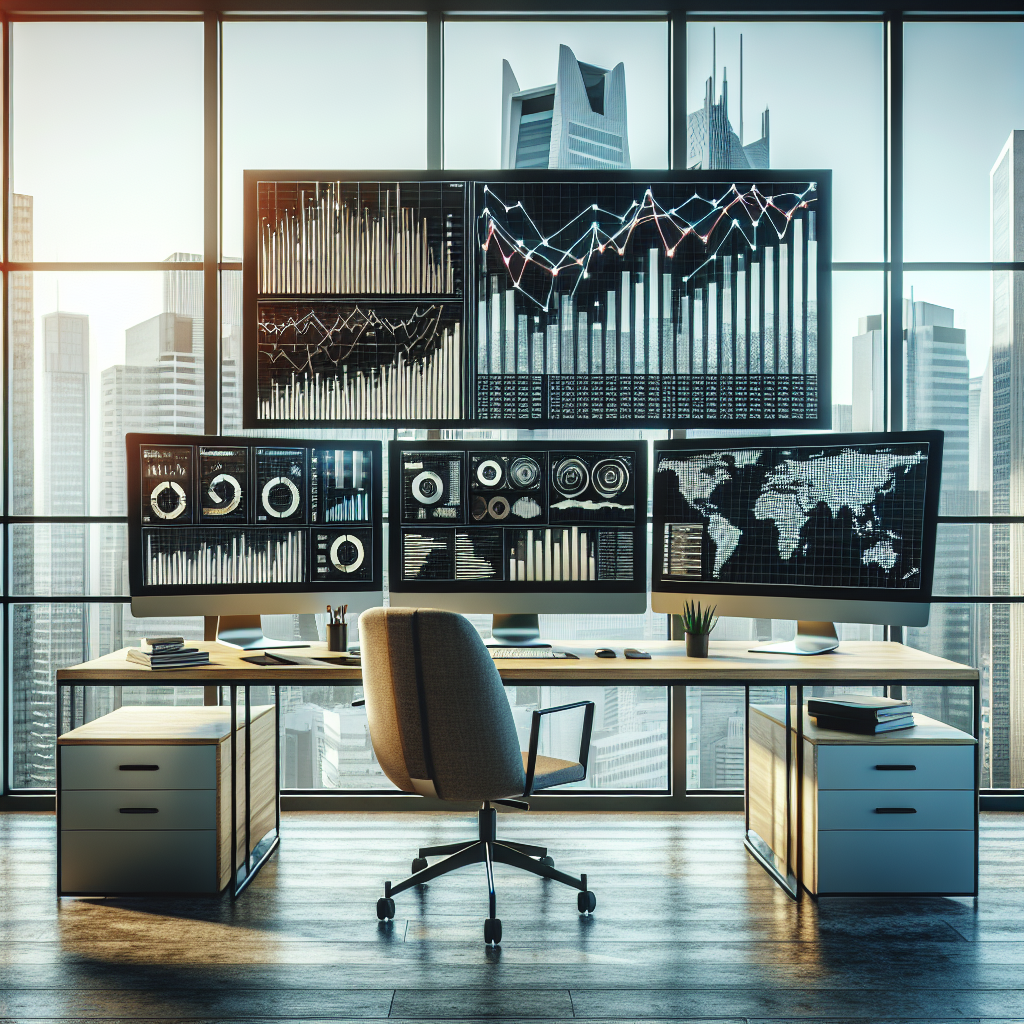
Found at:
[604, 652]
[632, 652]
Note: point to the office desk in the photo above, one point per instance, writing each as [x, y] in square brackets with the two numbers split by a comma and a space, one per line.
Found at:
[731, 663]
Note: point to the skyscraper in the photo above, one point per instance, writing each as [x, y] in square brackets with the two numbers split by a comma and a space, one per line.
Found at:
[60, 634]
[869, 375]
[27, 709]
[712, 143]
[1007, 205]
[937, 397]
[578, 122]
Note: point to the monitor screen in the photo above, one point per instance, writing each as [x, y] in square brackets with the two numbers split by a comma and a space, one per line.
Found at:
[824, 516]
[568, 298]
[518, 527]
[242, 525]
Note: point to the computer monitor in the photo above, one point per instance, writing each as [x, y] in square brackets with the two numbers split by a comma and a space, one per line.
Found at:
[242, 526]
[518, 528]
[813, 527]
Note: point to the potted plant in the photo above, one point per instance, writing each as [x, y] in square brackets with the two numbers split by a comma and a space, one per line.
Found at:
[697, 625]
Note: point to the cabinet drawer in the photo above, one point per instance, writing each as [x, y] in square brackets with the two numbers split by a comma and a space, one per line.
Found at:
[888, 766]
[122, 862]
[884, 810]
[896, 862]
[156, 766]
[138, 810]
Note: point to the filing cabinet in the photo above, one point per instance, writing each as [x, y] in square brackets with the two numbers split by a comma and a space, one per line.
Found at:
[890, 813]
[143, 799]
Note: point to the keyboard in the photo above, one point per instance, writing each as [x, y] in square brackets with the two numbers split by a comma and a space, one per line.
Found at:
[521, 652]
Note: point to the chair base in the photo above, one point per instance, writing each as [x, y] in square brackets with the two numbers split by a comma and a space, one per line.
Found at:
[488, 850]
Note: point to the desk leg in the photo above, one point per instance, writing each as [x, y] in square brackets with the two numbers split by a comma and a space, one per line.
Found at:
[779, 758]
[277, 761]
[248, 779]
[233, 743]
[243, 874]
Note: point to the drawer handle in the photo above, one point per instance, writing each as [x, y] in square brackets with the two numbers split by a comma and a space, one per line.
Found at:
[138, 767]
[895, 810]
[138, 810]
[896, 767]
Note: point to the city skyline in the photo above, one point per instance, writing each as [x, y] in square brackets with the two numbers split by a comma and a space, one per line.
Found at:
[116, 305]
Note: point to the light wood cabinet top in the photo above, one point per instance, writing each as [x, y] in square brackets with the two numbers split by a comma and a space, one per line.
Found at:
[144, 725]
[925, 731]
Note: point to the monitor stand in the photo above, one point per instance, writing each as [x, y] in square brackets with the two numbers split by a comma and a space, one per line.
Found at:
[515, 631]
[246, 632]
[811, 638]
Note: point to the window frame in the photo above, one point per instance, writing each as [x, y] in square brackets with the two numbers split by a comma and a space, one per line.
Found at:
[213, 16]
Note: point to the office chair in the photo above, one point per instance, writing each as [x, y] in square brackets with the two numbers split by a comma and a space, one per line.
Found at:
[441, 726]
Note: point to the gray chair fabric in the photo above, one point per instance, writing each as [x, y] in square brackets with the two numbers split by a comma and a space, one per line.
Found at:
[439, 719]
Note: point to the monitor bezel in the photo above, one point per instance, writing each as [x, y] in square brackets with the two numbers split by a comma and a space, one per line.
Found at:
[470, 179]
[921, 595]
[244, 597]
[404, 591]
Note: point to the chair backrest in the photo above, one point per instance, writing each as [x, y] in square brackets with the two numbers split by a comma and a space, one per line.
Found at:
[439, 719]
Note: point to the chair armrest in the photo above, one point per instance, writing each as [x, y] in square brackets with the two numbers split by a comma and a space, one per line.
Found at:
[588, 725]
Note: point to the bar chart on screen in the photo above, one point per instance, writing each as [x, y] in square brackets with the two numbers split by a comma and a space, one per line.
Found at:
[575, 298]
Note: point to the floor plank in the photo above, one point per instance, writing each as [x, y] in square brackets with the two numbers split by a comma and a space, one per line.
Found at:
[688, 927]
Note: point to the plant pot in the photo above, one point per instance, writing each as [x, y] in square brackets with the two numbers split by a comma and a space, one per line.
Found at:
[697, 645]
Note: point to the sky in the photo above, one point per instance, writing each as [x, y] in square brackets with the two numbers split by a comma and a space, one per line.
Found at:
[107, 133]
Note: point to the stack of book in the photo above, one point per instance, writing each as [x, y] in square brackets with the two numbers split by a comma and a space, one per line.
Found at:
[167, 652]
[856, 713]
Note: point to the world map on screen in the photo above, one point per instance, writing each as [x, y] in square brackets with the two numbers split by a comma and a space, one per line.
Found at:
[838, 516]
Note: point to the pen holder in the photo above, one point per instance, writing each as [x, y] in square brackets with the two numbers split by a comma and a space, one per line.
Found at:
[337, 636]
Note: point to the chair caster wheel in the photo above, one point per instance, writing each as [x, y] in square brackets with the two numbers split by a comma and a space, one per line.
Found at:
[586, 902]
[492, 931]
[548, 862]
[418, 864]
[385, 908]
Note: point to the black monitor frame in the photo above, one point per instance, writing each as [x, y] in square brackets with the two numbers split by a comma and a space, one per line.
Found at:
[213, 599]
[638, 414]
[921, 595]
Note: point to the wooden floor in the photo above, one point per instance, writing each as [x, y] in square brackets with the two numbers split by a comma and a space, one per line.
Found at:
[687, 926]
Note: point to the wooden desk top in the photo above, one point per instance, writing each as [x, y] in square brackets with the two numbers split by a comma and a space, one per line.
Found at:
[730, 663]
[925, 730]
[161, 725]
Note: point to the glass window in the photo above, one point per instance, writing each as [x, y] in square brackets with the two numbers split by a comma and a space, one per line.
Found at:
[500, 81]
[963, 96]
[107, 137]
[48, 637]
[343, 95]
[325, 742]
[957, 330]
[984, 636]
[804, 95]
[106, 353]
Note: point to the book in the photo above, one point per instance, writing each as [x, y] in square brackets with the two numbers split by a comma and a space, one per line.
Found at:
[859, 707]
[164, 641]
[178, 659]
[868, 727]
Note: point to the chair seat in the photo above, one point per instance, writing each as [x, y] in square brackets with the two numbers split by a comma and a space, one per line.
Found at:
[553, 771]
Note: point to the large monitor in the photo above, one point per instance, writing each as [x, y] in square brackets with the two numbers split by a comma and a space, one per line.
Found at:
[243, 526]
[518, 528]
[813, 527]
[525, 298]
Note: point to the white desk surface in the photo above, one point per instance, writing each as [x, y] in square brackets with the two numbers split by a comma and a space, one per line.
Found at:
[731, 662]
